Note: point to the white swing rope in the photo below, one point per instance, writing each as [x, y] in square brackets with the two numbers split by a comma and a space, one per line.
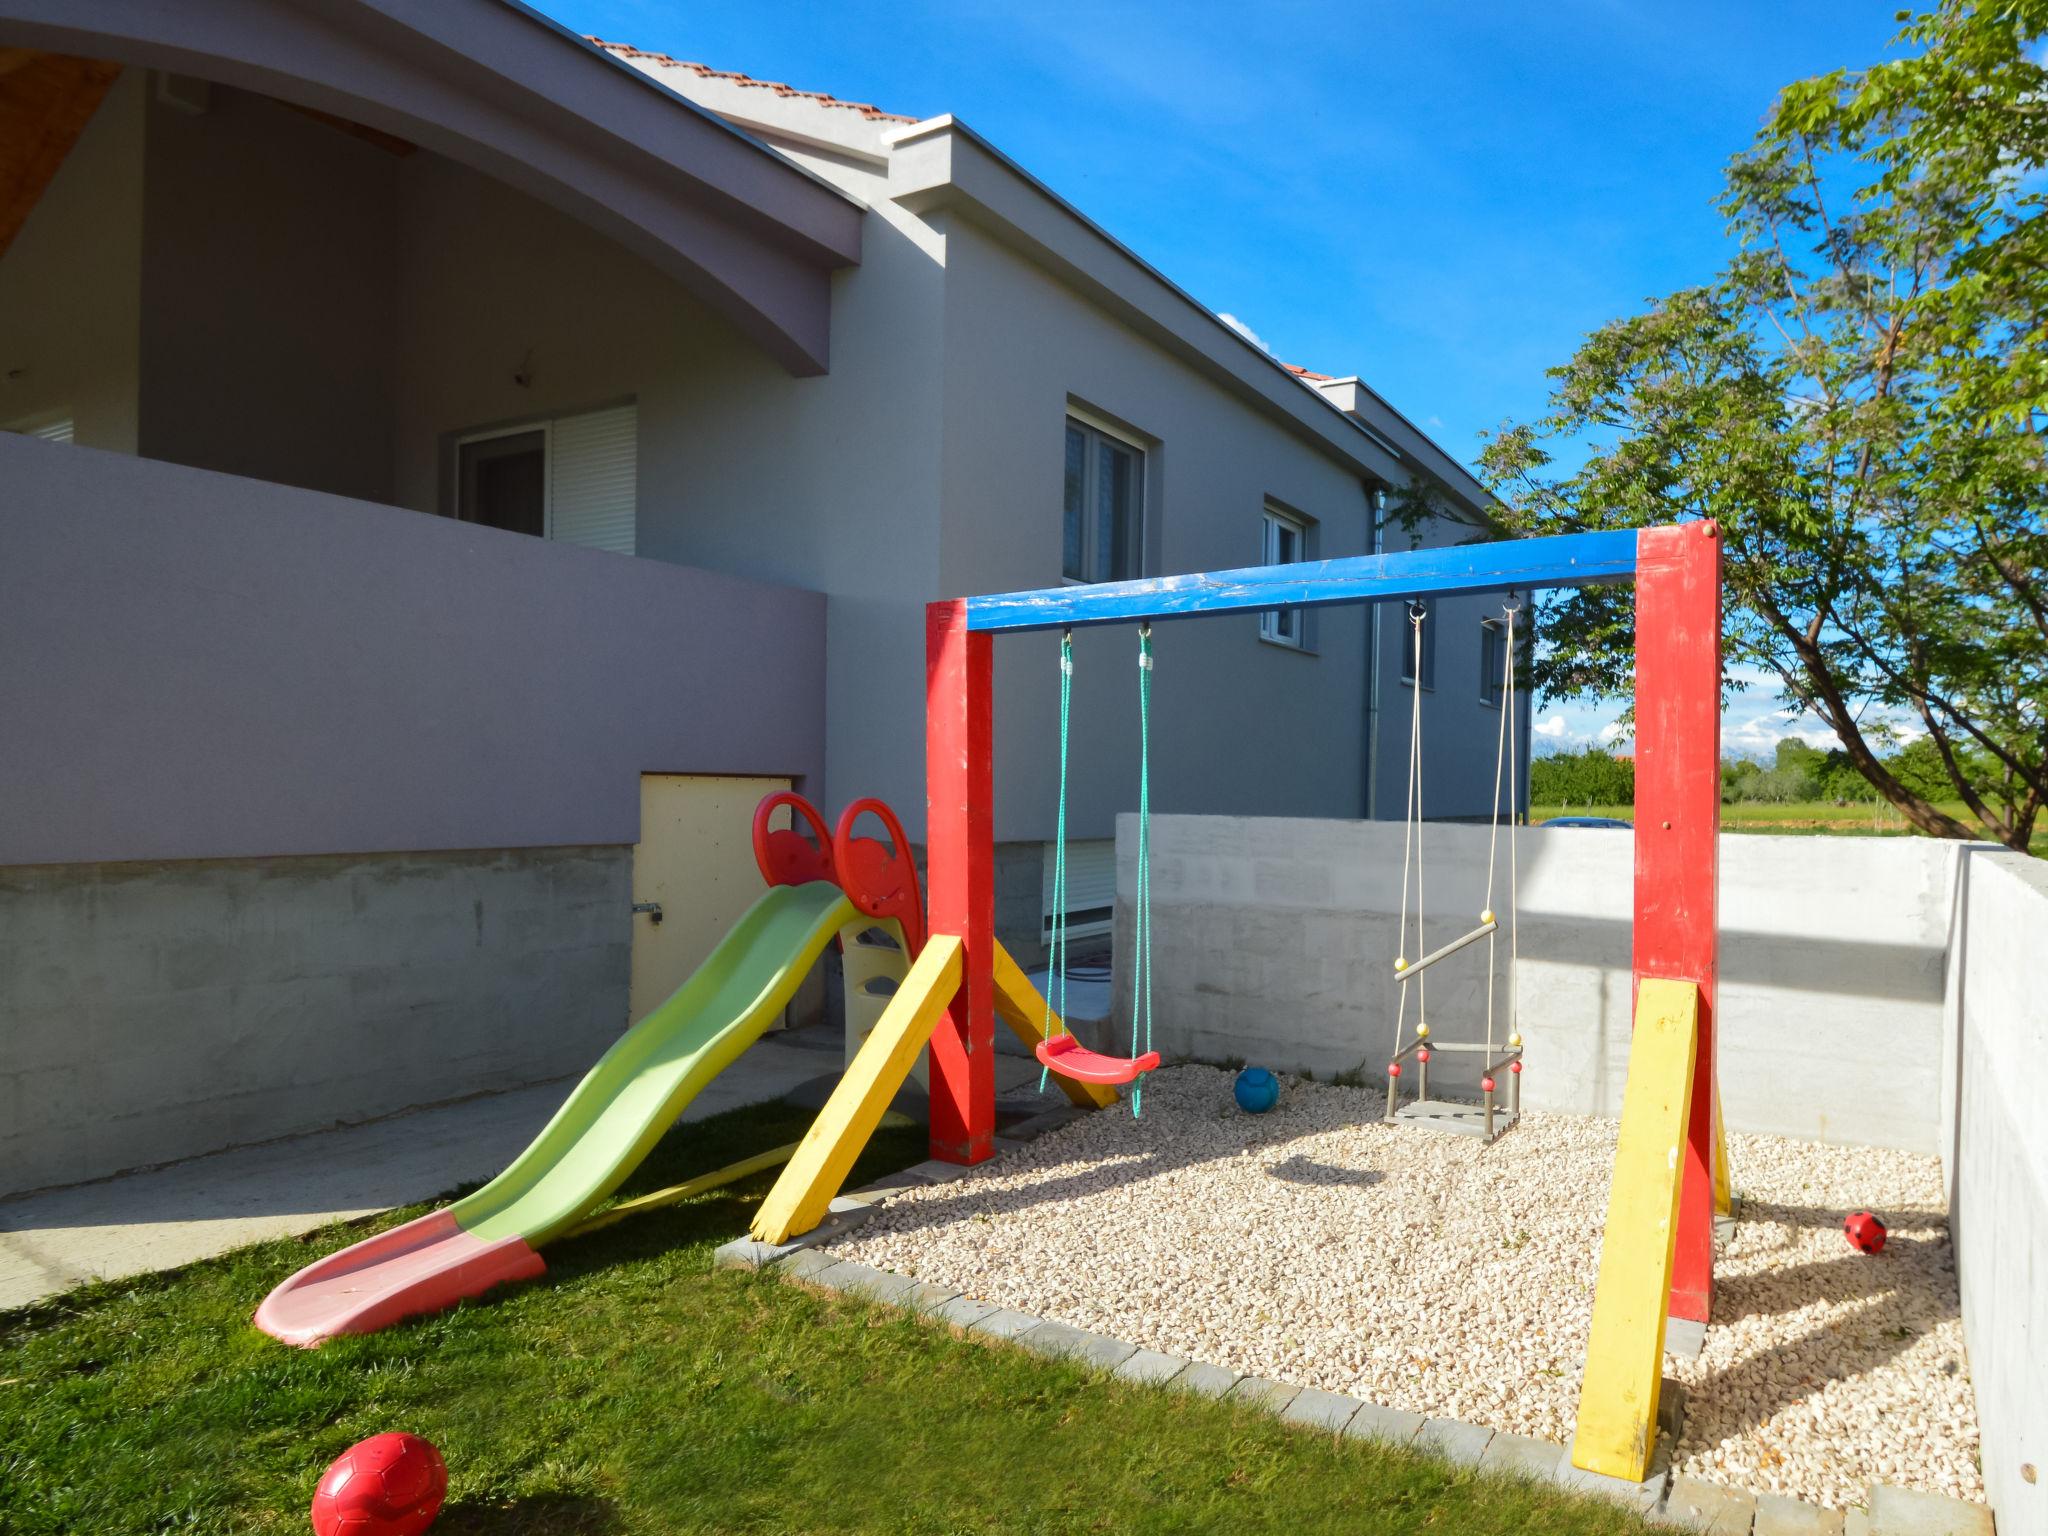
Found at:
[1504, 751]
[1411, 845]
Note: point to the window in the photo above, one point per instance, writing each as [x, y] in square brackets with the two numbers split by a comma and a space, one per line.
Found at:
[51, 429]
[1493, 661]
[1426, 608]
[1103, 527]
[1284, 540]
[571, 478]
[1091, 888]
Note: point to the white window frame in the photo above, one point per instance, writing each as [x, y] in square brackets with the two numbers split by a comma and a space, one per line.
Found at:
[563, 516]
[1094, 427]
[1493, 635]
[545, 426]
[1430, 620]
[1285, 627]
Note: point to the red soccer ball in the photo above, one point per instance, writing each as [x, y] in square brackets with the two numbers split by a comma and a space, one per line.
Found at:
[1865, 1232]
[387, 1485]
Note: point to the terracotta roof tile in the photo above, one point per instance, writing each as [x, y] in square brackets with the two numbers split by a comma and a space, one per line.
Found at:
[706, 72]
[1309, 375]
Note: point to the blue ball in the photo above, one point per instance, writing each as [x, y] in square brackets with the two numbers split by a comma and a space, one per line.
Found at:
[1257, 1090]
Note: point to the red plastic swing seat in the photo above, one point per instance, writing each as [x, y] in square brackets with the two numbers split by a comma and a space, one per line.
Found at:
[1070, 1058]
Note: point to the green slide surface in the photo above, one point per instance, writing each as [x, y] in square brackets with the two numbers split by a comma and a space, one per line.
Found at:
[626, 1103]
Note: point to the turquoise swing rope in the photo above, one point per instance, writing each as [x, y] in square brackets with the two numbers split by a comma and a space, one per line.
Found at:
[1058, 955]
[1141, 963]
[1141, 970]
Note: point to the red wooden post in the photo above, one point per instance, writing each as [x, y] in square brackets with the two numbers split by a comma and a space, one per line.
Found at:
[960, 856]
[1678, 823]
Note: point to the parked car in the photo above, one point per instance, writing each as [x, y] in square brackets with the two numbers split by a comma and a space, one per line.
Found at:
[1589, 821]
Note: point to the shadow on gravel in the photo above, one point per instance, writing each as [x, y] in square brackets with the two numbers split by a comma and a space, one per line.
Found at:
[1300, 1169]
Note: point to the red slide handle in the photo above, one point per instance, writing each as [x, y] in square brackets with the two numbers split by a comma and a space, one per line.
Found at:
[877, 880]
[785, 855]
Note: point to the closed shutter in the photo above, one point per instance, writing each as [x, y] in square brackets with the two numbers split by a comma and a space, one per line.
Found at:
[1091, 887]
[593, 479]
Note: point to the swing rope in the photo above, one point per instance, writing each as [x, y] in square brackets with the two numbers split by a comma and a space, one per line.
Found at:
[1065, 1055]
[1411, 844]
[1057, 1014]
[1504, 748]
[1141, 974]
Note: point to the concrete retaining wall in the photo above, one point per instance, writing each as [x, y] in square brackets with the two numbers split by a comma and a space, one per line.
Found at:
[1274, 941]
[157, 1011]
[1995, 1148]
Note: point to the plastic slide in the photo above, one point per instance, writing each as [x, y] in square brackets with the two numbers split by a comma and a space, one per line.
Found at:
[617, 1113]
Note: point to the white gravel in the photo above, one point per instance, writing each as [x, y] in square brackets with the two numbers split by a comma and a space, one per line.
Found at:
[1424, 1271]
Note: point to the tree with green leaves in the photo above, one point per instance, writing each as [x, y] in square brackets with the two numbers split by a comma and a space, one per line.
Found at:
[1859, 400]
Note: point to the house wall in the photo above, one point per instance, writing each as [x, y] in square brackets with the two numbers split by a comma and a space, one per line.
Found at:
[267, 296]
[1995, 1150]
[1461, 741]
[827, 483]
[1239, 725]
[71, 284]
[1275, 938]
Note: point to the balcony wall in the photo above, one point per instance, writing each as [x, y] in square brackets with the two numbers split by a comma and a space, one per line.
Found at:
[199, 666]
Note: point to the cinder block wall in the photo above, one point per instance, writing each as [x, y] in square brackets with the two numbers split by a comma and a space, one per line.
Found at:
[159, 1010]
[1995, 1148]
[1274, 940]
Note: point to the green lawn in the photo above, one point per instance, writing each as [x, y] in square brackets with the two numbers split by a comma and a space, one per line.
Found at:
[1809, 818]
[635, 1389]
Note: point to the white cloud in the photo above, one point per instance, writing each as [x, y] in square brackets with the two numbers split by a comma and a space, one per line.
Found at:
[1612, 731]
[1552, 727]
[1246, 332]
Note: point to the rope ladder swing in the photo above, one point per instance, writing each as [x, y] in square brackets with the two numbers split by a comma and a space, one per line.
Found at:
[1489, 1120]
[1058, 1050]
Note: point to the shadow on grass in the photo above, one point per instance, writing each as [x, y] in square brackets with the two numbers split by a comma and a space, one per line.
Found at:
[556, 1514]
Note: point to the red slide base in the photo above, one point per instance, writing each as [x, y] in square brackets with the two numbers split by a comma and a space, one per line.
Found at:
[424, 1266]
[1068, 1057]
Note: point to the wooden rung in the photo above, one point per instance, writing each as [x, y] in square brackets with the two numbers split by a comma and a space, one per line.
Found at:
[1416, 967]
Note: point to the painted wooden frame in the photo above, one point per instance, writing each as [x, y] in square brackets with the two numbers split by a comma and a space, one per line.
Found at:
[1677, 571]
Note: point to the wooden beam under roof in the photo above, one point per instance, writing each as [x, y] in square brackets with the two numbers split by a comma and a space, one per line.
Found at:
[46, 99]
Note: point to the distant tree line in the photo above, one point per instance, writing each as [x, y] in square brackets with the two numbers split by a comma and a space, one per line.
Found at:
[1799, 774]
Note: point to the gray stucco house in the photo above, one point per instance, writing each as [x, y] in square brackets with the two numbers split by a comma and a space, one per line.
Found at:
[429, 432]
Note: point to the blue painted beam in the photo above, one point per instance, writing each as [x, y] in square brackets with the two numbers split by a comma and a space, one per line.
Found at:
[1563, 560]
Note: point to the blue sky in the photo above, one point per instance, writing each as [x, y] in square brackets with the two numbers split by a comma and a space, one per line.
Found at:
[1440, 197]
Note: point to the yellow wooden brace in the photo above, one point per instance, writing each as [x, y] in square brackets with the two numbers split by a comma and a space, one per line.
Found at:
[1021, 1006]
[825, 1156]
[675, 1194]
[1617, 1426]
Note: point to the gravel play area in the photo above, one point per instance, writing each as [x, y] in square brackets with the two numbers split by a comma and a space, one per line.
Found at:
[1425, 1271]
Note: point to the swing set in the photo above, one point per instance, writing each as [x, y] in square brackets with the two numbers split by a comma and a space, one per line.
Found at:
[1487, 1121]
[1670, 1172]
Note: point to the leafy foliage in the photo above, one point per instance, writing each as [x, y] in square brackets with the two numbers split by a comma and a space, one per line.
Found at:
[1591, 777]
[1859, 400]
